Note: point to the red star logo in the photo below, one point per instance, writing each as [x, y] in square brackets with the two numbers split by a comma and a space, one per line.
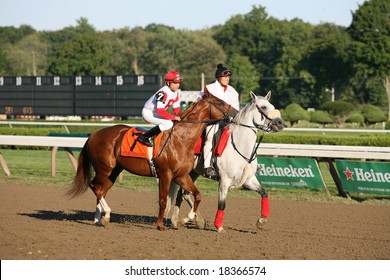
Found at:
[348, 174]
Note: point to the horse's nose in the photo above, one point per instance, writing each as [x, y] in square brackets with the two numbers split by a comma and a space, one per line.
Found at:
[278, 124]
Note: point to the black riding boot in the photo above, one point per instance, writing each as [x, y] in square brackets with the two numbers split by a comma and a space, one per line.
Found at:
[145, 138]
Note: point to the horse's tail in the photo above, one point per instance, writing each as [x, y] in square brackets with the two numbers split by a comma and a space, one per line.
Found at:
[83, 175]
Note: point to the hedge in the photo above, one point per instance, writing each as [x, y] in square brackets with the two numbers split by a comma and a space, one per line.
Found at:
[347, 139]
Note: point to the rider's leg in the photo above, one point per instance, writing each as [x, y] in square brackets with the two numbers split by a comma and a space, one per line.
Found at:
[208, 150]
[161, 125]
[145, 138]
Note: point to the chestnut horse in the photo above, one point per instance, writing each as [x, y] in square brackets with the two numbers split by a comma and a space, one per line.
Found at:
[174, 160]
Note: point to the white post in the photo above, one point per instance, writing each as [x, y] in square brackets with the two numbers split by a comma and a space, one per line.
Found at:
[332, 98]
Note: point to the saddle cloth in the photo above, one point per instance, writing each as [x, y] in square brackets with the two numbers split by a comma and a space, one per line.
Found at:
[219, 147]
[132, 148]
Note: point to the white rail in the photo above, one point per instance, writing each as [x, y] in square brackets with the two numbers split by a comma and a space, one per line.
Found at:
[43, 141]
[327, 151]
[65, 124]
[265, 149]
[324, 151]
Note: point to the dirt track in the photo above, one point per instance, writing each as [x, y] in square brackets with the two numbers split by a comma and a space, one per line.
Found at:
[38, 222]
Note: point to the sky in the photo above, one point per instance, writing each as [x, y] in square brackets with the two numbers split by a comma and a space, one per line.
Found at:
[190, 15]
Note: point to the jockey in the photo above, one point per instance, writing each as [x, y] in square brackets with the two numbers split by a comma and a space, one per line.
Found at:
[155, 109]
[221, 89]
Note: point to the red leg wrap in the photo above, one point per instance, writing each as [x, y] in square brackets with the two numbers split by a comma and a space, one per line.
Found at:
[264, 207]
[218, 222]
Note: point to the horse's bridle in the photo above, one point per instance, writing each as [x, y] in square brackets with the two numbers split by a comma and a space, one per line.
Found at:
[265, 128]
[210, 121]
[254, 128]
[226, 115]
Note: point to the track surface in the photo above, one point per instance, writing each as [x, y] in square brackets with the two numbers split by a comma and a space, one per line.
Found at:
[38, 222]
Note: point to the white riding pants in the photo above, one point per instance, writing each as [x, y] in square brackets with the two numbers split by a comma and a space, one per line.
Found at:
[208, 145]
[153, 118]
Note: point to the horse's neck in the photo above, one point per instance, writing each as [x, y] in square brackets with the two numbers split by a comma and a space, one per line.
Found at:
[197, 122]
[189, 133]
[244, 134]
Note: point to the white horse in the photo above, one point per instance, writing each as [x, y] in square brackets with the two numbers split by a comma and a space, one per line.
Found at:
[237, 165]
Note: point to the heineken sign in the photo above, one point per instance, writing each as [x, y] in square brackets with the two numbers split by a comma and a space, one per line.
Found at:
[289, 173]
[364, 177]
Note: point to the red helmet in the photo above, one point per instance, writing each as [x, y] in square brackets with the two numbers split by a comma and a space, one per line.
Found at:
[173, 76]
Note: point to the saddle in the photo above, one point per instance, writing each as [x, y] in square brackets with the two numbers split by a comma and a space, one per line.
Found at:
[130, 147]
[220, 141]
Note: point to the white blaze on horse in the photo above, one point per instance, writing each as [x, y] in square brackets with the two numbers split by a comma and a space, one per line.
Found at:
[237, 165]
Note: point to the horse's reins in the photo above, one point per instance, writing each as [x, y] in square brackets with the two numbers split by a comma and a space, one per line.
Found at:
[254, 129]
[254, 152]
[210, 121]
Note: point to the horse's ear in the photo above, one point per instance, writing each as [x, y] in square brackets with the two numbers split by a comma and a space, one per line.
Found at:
[206, 92]
[268, 96]
[253, 96]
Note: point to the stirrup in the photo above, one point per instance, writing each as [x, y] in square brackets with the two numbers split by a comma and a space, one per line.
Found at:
[144, 140]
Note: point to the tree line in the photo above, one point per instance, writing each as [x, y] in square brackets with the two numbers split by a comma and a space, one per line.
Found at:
[300, 63]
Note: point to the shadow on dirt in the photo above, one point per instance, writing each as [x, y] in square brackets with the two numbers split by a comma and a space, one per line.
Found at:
[85, 217]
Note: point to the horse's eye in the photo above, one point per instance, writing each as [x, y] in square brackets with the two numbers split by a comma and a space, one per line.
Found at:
[263, 107]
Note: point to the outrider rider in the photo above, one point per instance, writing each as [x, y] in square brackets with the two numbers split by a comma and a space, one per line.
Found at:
[221, 89]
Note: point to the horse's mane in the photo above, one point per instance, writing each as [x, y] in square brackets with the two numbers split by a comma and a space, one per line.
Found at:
[238, 118]
[192, 106]
[189, 109]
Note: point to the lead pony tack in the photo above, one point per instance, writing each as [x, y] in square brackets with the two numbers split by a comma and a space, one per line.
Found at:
[174, 160]
[237, 165]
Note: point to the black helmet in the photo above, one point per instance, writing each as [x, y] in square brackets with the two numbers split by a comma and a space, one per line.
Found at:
[222, 71]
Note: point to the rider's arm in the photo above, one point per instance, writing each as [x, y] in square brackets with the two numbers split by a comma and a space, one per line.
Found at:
[161, 106]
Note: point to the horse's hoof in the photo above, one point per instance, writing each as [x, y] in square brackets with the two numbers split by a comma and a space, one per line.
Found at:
[200, 222]
[221, 230]
[161, 228]
[182, 222]
[261, 223]
[174, 226]
[104, 221]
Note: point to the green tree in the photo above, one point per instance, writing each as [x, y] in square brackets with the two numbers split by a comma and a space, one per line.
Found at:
[241, 34]
[339, 110]
[245, 77]
[200, 56]
[137, 42]
[321, 117]
[4, 61]
[370, 29]
[373, 114]
[162, 49]
[190, 53]
[27, 57]
[295, 113]
[276, 49]
[124, 47]
[356, 118]
[328, 61]
[11, 34]
[83, 53]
